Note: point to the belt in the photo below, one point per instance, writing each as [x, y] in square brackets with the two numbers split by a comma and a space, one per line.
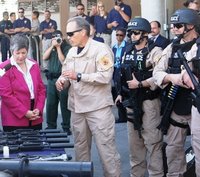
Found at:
[150, 95]
[178, 124]
[51, 76]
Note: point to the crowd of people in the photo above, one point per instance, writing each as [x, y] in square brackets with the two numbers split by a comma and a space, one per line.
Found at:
[109, 58]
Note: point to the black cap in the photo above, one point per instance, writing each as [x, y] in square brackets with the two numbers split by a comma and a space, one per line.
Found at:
[55, 33]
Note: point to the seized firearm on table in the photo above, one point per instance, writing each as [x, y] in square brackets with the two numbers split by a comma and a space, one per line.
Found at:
[24, 140]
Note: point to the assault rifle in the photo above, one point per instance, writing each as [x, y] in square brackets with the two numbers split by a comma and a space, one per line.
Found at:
[11, 140]
[32, 131]
[31, 140]
[196, 93]
[165, 121]
[134, 101]
[32, 134]
[31, 146]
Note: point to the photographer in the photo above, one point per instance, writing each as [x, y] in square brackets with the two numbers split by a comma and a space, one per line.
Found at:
[56, 54]
[119, 16]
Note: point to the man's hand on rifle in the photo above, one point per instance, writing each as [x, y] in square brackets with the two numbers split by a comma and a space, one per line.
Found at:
[175, 79]
[186, 80]
[133, 84]
[118, 99]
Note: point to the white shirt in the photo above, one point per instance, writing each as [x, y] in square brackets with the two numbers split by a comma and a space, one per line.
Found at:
[27, 75]
[154, 37]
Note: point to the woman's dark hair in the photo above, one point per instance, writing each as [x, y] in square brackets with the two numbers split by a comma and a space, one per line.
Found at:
[12, 13]
[186, 3]
[123, 30]
[35, 12]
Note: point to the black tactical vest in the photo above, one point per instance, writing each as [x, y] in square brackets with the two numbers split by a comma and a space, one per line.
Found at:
[136, 59]
[182, 102]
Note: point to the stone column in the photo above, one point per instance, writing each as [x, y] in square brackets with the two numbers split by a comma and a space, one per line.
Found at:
[159, 10]
[64, 15]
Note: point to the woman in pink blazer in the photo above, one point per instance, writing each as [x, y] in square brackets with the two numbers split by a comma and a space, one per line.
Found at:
[21, 89]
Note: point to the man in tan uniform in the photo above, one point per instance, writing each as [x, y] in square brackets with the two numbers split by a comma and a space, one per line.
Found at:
[195, 132]
[142, 96]
[195, 114]
[167, 74]
[88, 69]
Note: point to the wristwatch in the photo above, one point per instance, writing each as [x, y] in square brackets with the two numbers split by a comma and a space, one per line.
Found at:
[78, 77]
[140, 85]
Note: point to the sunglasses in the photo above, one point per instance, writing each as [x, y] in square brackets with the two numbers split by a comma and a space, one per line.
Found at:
[178, 25]
[135, 33]
[70, 34]
[121, 35]
[20, 12]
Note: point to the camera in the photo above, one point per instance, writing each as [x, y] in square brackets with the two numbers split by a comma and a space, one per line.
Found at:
[58, 38]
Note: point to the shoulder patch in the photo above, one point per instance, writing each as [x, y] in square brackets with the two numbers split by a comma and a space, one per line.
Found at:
[157, 59]
[105, 63]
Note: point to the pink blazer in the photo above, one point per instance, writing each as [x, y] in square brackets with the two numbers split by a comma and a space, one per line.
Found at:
[15, 96]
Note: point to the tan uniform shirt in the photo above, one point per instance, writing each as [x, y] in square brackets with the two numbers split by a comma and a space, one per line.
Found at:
[95, 63]
[152, 60]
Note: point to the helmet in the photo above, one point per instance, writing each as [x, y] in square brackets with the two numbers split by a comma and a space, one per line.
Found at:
[185, 16]
[140, 24]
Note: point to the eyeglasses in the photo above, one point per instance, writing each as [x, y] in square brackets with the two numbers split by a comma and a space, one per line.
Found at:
[81, 9]
[121, 35]
[21, 12]
[70, 34]
[135, 32]
[100, 6]
[178, 25]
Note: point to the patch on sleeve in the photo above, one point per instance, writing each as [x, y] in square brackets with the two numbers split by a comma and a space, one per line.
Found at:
[105, 63]
[157, 59]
